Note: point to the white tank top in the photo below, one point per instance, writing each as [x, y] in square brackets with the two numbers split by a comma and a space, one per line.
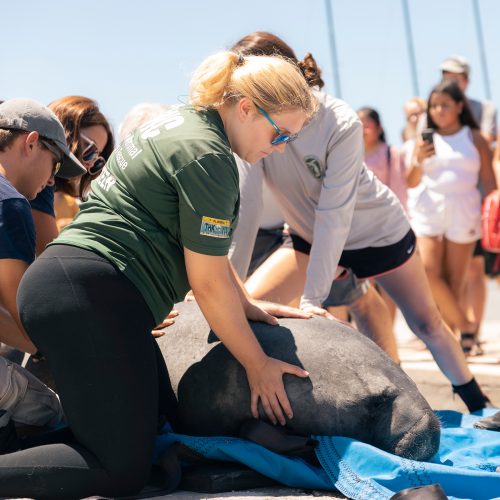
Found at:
[455, 166]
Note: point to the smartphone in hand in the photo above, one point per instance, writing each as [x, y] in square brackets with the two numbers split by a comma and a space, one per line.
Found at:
[428, 135]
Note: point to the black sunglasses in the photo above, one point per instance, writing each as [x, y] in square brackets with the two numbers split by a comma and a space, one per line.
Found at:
[91, 154]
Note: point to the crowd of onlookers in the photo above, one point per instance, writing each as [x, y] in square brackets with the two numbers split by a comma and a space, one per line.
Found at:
[318, 229]
[441, 187]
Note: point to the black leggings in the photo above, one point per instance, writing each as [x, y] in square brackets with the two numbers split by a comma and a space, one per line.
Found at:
[93, 326]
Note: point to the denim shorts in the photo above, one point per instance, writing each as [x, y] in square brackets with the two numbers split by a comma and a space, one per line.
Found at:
[27, 400]
[346, 289]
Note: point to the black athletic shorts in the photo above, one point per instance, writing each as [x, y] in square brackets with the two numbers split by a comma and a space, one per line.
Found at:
[371, 261]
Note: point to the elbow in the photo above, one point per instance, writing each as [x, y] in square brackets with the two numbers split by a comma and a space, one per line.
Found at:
[202, 288]
[210, 287]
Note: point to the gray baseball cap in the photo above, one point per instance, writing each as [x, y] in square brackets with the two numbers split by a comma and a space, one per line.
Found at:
[455, 64]
[31, 116]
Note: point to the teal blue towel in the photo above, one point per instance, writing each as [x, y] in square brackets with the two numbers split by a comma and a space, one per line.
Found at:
[464, 465]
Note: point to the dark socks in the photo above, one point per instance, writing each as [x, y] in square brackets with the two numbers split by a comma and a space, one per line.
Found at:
[471, 395]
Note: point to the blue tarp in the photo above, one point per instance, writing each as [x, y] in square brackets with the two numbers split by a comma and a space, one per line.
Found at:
[464, 465]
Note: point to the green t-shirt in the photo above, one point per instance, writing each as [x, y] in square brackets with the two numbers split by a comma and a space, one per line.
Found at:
[172, 184]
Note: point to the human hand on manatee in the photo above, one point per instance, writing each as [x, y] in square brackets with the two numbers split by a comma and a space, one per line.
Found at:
[266, 384]
[267, 312]
[168, 321]
[319, 311]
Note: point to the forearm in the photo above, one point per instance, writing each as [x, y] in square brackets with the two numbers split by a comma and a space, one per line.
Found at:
[414, 174]
[329, 240]
[12, 333]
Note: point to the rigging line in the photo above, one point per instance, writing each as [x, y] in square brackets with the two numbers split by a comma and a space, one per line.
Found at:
[411, 48]
[333, 47]
[482, 52]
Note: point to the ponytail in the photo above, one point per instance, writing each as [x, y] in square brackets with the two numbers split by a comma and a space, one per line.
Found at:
[311, 72]
[211, 80]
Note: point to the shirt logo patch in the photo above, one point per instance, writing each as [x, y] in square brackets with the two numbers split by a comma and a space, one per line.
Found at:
[216, 228]
[314, 165]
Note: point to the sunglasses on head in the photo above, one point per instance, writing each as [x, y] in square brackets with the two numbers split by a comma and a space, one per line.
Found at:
[91, 154]
[282, 137]
[56, 152]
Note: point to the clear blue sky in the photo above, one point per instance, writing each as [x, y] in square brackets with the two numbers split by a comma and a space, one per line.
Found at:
[122, 52]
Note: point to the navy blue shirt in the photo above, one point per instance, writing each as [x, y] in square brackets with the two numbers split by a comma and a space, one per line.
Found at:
[44, 202]
[17, 230]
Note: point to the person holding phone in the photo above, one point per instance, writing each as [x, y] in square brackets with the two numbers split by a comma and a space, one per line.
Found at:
[445, 209]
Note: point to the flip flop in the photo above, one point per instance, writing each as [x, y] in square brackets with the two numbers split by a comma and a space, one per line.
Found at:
[471, 345]
[489, 423]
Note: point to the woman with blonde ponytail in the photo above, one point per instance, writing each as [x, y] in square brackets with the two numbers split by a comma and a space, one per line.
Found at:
[158, 221]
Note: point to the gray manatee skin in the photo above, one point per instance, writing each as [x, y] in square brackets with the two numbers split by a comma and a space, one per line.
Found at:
[353, 390]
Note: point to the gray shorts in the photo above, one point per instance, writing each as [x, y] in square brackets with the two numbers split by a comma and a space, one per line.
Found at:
[346, 289]
[27, 400]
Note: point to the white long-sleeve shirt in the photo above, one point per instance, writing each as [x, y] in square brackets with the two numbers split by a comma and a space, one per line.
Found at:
[327, 196]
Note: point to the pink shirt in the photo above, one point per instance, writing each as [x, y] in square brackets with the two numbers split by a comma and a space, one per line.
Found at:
[392, 175]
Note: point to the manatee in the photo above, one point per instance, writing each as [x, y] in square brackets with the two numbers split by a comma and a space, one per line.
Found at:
[354, 389]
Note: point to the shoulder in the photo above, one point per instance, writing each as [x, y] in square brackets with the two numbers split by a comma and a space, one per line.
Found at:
[482, 107]
[489, 107]
[208, 173]
[11, 201]
[15, 214]
[334, 124]
[8, 191]
[188, 135]
[17, 230]
[338, 110]
[14, 207]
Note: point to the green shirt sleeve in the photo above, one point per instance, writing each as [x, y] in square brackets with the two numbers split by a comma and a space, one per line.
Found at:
[208, 190]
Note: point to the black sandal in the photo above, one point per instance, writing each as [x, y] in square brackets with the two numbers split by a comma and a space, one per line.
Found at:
[471, 346]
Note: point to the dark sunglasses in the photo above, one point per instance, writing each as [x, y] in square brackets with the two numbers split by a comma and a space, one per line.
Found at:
[91, 154]
[282, 137]
[56, 152]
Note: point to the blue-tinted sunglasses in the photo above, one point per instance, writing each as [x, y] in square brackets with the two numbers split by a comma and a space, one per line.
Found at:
[281, 138]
